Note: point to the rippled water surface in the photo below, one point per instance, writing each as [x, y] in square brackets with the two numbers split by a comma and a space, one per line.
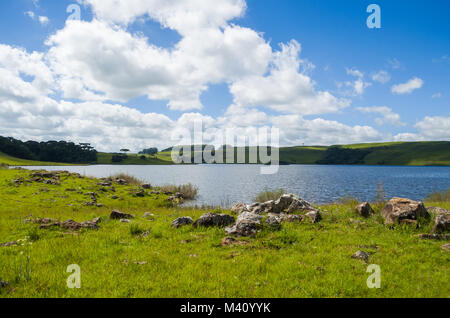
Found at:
[225, 185]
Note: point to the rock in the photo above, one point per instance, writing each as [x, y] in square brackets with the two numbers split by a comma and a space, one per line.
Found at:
[124, 220]
[182, 222]
[97, 220]
[146, 186]
[74, 226]
[315, 216]
[121, 181]
[247, 224]
[105, 184]
[273, 223]
[442, 223]
[292, 218]
[398, 209]
[114, 197]
[117, 215]
[239, 208]
[214, 219]
[361, 255]
[438, 237]
[99, 205]
[446, 247]
[291, 203]
[365, 209]
[437, 210]
[3, 284]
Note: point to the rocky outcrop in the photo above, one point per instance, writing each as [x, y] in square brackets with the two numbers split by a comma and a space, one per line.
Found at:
[70, 225]
[442, 223]
[437, 237]
[364, 210]
[187, 220]
[287, 203]
[214, 219]
[117, 215]
[398, 209]
[247, 224]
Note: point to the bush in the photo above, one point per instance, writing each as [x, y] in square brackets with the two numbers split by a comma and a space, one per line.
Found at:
[128, 178]
[439, 196]
[189, 191]
[268, 195]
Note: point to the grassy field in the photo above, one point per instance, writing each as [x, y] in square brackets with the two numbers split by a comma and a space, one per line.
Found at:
[12, 161]
[393, 153]
[300, 260]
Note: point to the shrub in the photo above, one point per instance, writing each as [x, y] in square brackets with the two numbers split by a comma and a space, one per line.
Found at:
[439, 196]
[268, 195]
[189, 191]
[128, 178]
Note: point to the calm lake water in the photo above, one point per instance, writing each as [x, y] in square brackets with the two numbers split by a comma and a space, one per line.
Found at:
[225, 185]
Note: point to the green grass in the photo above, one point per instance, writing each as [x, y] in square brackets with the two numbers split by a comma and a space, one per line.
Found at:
[12, 161]
[300, 260]
[268, 195]
[133, 159]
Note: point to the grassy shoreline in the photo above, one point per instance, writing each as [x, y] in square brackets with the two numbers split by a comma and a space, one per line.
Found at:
[117, 260]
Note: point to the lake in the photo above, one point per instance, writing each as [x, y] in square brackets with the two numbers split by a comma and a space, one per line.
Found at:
[225, 185]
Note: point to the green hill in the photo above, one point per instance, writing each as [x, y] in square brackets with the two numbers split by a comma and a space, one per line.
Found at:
[433, 153]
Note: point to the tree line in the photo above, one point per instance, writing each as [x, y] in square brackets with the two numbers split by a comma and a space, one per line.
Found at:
[52, 151]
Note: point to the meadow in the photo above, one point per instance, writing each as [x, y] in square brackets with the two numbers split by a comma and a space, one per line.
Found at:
[148, 258]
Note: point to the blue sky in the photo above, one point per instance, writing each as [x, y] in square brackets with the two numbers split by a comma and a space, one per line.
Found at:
[413, 43]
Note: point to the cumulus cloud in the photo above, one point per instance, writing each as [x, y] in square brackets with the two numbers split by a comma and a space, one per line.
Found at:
[285, 89]
[388, 116]
[381, 77]
[356, 87]
[408, 87]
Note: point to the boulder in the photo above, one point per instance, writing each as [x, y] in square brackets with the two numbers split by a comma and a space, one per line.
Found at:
[290, 203]
[442, 223]
[315, 216]
[214, 219]
[364, 209]
[361, 255]
[398, 209]
[247, 224]
[273, 223]
[124, 221]
[146, 186]
[117, 215]
[437, 210]
[187, 220]
[239, 208]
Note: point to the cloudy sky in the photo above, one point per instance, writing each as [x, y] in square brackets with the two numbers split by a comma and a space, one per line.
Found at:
[130, 73]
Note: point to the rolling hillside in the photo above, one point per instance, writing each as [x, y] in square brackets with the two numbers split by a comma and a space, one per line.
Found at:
[394, 153]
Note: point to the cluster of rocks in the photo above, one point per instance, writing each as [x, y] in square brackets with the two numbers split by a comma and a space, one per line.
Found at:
[252, 218]
[46, 223]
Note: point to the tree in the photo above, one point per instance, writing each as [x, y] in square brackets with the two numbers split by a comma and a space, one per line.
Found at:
[149, 151]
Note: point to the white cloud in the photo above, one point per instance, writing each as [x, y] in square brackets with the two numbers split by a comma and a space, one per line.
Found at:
[430, 128]
[285, 89]
[381, 77]
[437, 95]
[356, 87]
[388, 116]
[44, 20]
[394, 63]
[408, 87]
[30, 14]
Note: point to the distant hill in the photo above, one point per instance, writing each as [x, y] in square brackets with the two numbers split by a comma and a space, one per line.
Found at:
[433, 153]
